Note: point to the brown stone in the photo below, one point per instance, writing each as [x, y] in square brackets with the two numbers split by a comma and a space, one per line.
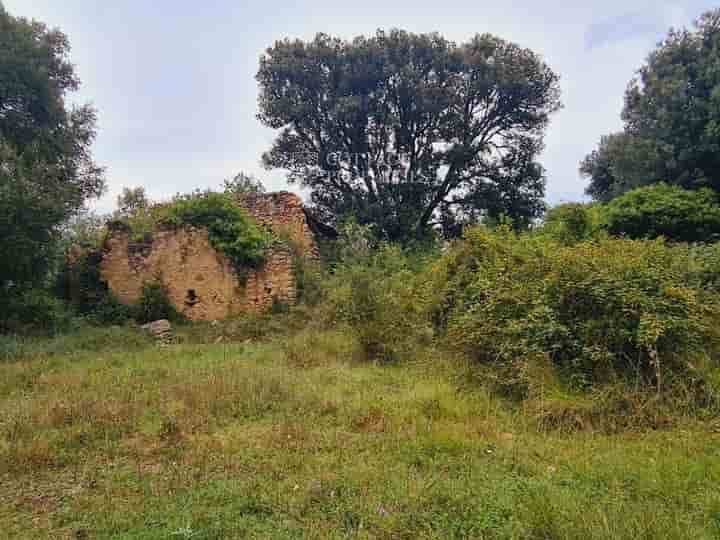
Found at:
[282, 212]
[202, 283]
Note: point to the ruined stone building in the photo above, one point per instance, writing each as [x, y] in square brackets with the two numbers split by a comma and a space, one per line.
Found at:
[202, 283]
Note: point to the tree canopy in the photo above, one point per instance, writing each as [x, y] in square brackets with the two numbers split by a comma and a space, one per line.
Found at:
[46, 169]
[410, 131]
[671, 116]
[242, 184]
[664, 210]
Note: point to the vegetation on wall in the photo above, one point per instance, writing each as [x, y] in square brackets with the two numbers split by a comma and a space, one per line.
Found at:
[81, 286]
[230, 230]
[243, 184]
[138, 213]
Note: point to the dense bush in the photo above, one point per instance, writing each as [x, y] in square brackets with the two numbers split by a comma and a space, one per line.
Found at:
[230, 230]
[154, 304]
[597, 310]
[571, 222]
[33, 310]
[309, 269]
[81, 287]
[703, 265]
[663, 210]
[377, 295]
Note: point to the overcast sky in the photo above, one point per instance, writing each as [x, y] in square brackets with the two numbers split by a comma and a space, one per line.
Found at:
[173, 80]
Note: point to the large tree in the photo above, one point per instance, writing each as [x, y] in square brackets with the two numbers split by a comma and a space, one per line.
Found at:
[671, 116]
[409, 131]
[46, 169]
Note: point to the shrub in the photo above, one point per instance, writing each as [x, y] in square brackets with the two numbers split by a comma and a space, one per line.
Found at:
[663, 210]
[108, 310]
[598, 310]
[230, 230]
[376, 294]
[137, 213]
[309, 279]
[309, 271]
[703, 265]
[572, 222]
[154, 303]
[35, 309]
[81, 285]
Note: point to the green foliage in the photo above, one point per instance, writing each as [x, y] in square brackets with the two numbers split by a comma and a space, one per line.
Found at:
[154, 304]
[33, 310]
[137, 211]
[131, 201]
[403, 100]
[241, 184]
[572, 222]
[86, 229]
[664, 210]
[230, 230]
[29, 223]
[597, 310]
[108, 310]
[703, 265]
[376, 294]
[81, 282]
[672, 119]
[309, 278]
[46, 169]
[81, 286]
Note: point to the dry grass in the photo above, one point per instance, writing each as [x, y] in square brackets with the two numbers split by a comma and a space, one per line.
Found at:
[296, 439]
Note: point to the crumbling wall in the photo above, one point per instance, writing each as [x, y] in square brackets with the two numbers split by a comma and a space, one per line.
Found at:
[202, 283]
[283, 213]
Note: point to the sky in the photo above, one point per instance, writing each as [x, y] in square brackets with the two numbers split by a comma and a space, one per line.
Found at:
[174, 81]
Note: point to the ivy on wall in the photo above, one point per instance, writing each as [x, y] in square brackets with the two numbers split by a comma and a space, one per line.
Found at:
[230, 230]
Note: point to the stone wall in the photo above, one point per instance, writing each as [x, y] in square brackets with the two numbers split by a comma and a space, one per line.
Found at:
[202, 283]
[283, 213]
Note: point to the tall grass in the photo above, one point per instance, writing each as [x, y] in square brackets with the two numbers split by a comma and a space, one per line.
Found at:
[298, 439]
[505, 389]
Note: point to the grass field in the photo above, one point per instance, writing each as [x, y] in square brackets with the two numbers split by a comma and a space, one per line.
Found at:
[105, 435]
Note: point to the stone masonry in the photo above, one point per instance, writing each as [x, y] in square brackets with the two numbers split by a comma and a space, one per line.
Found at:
[202, 283]
[283, 213]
